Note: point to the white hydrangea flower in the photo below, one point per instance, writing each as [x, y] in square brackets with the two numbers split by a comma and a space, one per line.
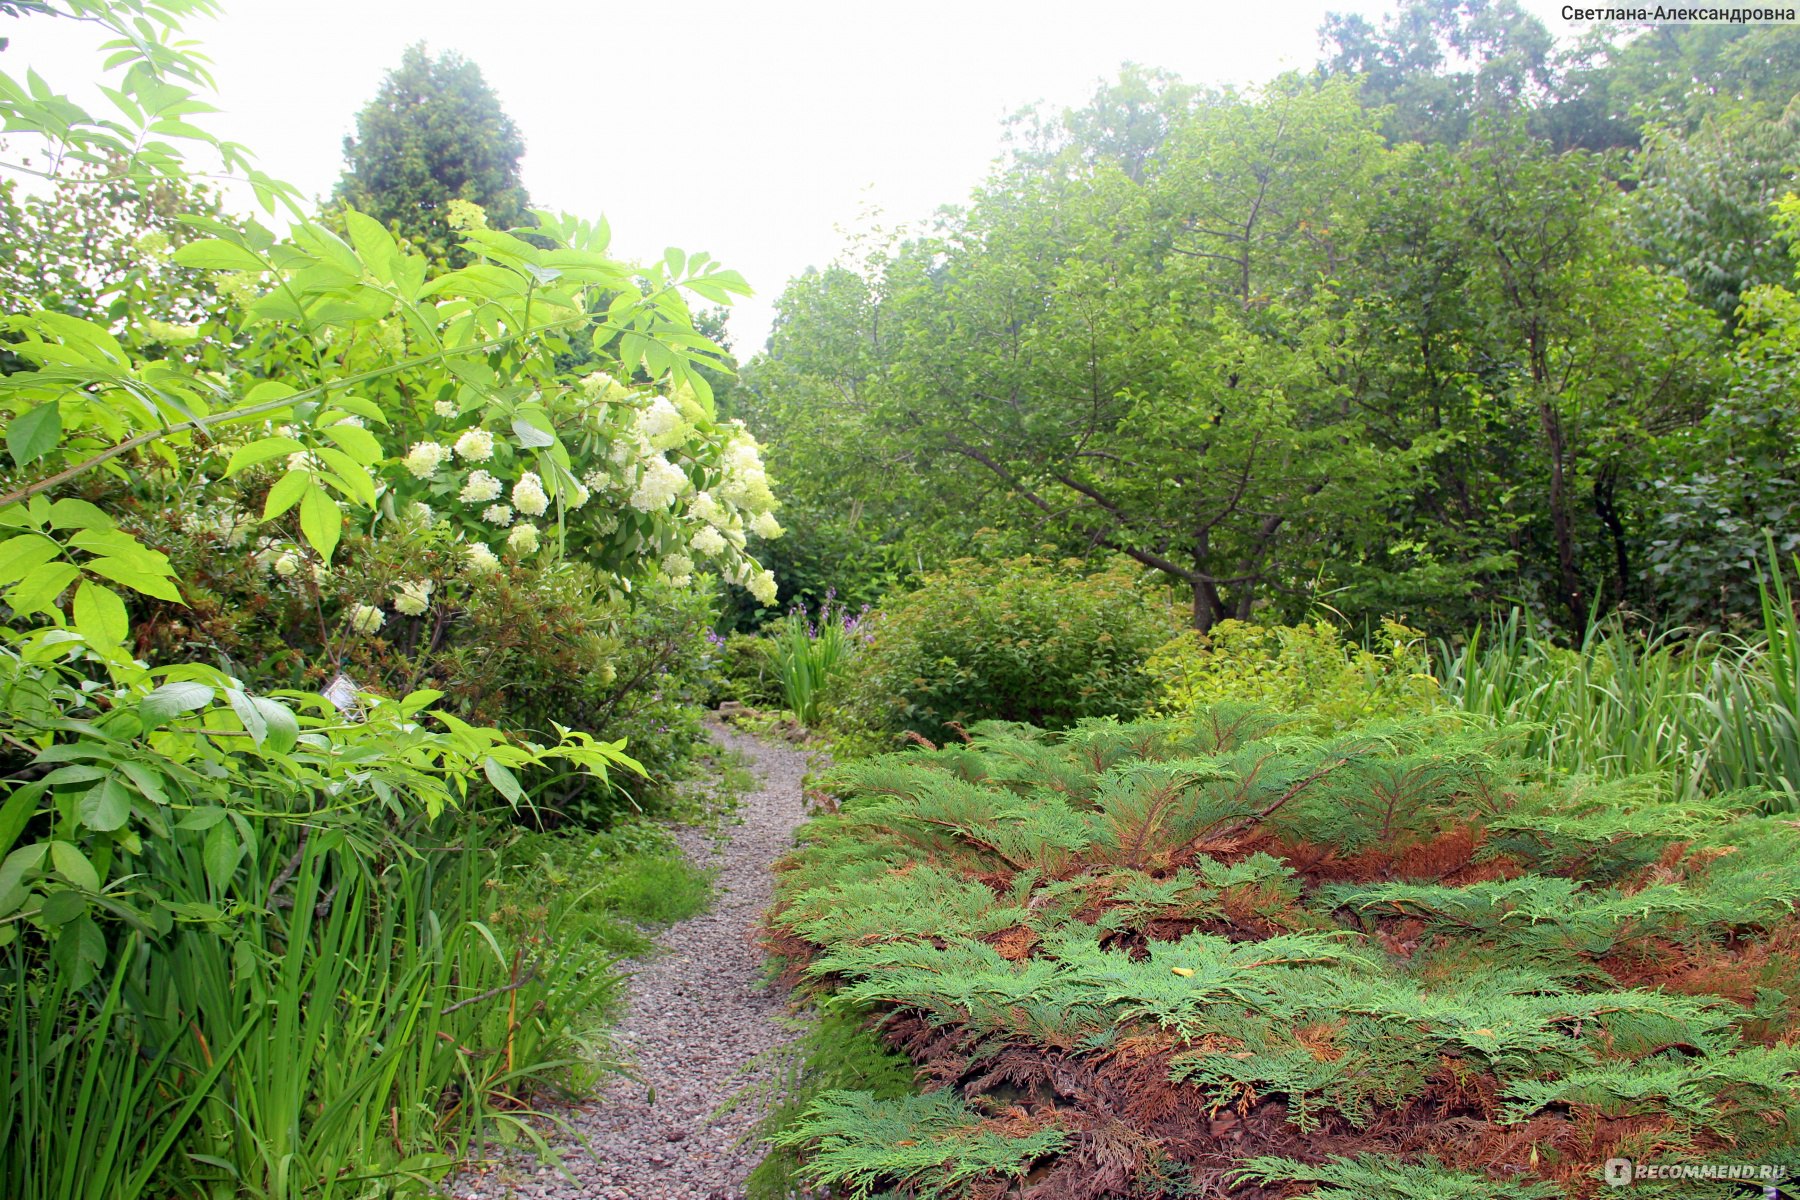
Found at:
[528, 495]
[763, 587]
[482, 561]
[498, 514]
[707, 509]
[413, 598]
[424, 458]
[287, 565]
[476, 445]
[365, 619]
[479, 488]
[596, 480]
[523, 538]
[445, 408]
[659, 420]
[319, 571]
[677, 566]
[661, 483]
[421, 513]
[358, 422]
[766, 526]
[709, 540]
[579, 497]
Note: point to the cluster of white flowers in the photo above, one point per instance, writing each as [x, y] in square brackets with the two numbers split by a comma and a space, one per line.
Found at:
[679, 568]
[365, 619]
[482, 561]
[475, 445]
[660, 423]
[444, 408]
[479, 488]
[498, 514]
[425, 458]
[766, 526]
[762, 586]
[661, 483]
[709, 541]
[528, 495]
[413, 598]
[524, 538]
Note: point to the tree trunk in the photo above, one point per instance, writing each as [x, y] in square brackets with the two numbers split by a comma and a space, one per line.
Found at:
[1562, 521]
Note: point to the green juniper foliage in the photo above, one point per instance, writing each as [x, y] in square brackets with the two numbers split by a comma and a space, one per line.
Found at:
[1175, 957]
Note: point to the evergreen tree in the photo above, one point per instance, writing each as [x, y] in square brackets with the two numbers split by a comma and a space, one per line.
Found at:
[434, 133]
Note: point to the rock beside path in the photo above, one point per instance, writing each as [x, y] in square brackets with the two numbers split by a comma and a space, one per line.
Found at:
[697, 1013]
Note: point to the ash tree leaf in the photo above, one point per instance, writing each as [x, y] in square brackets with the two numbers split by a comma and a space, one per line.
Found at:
[504, 781]
[100, 614]
[321, 521]
[41, 586]
[72, 865]
[531, 436]
[106, 806]
[254, 723]
[173, 699]
[216, 254]
[286, 493]
[221, 854]
[245, 457]
[33, 434]
[283, 728]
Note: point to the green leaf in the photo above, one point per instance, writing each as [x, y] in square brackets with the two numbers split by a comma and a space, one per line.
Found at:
[262, 451]
[33, 434]
[283, 728]
[321, 521]
[286, 493]
[71, 513]
[504, 781]
[105, 806]
[12, 874]
[216, 254]
[100, 614]
[362, 408]
[221, 854]
[136, 577]
[73, 866]
[20, 554]
[253, 722]
[173, 699]
[41, 586]
[360, 443]
[530, 436]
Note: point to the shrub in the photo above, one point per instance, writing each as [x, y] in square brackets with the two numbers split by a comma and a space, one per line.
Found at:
[1156, 959]
[1019, 640]
[747, 672]
[1309, 670]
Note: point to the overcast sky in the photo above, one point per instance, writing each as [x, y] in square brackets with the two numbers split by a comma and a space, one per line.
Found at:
[754, 131]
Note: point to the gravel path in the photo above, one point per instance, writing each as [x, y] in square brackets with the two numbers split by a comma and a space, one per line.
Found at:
[697, 1013]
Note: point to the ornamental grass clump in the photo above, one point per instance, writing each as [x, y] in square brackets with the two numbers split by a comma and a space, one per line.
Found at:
[813, 650]
[1219, 956]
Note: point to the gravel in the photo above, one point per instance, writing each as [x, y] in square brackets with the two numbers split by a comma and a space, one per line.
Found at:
[698, 1012]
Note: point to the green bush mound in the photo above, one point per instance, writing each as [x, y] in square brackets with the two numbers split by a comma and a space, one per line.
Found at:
[1019, 640]
[1214, 956]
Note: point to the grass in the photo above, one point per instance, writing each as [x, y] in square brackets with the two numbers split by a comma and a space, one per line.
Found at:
[1708, 713]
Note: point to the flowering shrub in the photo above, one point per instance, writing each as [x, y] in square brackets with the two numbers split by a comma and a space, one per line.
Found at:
[1021, 640]
[1304, 669]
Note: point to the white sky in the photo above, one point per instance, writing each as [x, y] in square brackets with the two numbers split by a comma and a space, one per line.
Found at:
[753, 131]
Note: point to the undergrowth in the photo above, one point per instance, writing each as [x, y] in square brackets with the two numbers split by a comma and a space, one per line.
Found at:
[1220, 957]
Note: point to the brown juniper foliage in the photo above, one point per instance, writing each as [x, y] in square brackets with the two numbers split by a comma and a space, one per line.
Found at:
[1211, 958]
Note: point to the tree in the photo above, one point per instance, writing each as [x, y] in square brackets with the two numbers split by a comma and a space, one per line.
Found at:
[1139, 355]
[434, 133]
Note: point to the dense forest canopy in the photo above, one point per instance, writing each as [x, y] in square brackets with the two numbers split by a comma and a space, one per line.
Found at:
[1464, 316]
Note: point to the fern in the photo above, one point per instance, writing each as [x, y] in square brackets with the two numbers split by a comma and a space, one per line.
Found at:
[1379, 1177]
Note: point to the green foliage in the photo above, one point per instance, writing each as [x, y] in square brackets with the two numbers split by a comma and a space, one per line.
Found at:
[1710, 715]
[747, 671]
[1020, 640]
[1134, 934]
[812, 652]
[1306, 669]
[434, 134]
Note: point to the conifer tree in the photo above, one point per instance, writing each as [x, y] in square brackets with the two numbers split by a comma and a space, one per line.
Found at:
[434, 133]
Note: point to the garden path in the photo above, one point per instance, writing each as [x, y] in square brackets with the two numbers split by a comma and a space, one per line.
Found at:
[697, 1013]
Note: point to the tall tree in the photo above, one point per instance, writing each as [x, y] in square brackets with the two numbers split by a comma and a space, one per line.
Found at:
[434, 133]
